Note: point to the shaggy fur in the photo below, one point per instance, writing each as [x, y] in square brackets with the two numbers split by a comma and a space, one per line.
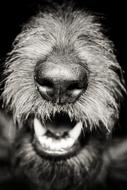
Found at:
[65, 35]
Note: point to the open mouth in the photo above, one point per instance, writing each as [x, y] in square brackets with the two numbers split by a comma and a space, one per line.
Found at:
[59, 136]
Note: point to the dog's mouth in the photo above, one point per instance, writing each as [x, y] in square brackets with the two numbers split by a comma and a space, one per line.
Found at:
[58, 136]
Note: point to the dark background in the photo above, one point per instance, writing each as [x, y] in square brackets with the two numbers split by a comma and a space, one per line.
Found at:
[13, 13]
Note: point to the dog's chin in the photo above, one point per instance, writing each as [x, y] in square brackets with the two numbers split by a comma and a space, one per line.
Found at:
[59, 152]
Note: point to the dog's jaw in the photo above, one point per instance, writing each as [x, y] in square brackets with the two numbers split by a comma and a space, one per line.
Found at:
[55, 165]
[60, 143]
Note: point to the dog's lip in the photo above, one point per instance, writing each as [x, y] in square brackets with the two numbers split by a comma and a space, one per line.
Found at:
[57, 145]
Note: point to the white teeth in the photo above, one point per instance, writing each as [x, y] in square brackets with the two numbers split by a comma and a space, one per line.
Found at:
[39, 129]
[70, 142]
[55, 145]
[63, 143]
[52, 145]
[75, 132]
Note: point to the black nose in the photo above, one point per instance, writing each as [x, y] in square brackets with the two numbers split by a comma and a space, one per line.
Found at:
[60, 83]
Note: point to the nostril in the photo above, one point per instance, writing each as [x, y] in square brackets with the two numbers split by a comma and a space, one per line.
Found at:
[75, 89]
[45, 87]
[75, 92]
[46, 92]
[74, 86]
[44, 82]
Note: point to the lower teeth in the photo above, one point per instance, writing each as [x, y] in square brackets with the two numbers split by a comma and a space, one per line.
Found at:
[55, 144]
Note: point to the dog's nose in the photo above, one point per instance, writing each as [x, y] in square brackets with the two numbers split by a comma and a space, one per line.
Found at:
[60, 83]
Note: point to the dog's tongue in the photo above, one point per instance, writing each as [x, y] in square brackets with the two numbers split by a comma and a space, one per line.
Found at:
[51, 144]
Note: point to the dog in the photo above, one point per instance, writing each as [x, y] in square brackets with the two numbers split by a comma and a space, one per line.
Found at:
[63, 90]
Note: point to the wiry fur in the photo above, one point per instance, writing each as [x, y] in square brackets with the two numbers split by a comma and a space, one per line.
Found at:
[74, 35]
[70, 36]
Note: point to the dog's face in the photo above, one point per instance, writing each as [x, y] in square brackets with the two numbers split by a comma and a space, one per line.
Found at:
[63, 86]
